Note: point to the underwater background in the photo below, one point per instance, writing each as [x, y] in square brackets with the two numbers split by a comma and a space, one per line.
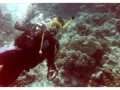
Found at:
[89, 54]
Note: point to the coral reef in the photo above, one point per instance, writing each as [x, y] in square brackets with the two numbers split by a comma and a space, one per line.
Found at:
[89, 52]
[6, 29]
[87, 47]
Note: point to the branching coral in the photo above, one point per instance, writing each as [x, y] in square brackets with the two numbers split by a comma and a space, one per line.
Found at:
[81, 55]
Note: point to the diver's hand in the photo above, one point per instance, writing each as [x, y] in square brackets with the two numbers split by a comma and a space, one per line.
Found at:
[52, 74]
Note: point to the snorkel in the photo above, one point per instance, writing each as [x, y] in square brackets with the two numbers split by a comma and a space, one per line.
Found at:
[68, 23]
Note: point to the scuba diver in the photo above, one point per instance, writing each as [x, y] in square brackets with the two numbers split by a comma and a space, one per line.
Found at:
[32, 47]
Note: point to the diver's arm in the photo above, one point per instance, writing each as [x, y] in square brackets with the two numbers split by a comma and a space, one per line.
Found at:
[52, 50]
[52, 71]
[51, 58]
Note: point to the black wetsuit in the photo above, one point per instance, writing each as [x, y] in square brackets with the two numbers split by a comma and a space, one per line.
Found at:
[27, 56]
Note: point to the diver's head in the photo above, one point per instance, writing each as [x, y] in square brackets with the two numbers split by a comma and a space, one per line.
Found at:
[56, 23]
